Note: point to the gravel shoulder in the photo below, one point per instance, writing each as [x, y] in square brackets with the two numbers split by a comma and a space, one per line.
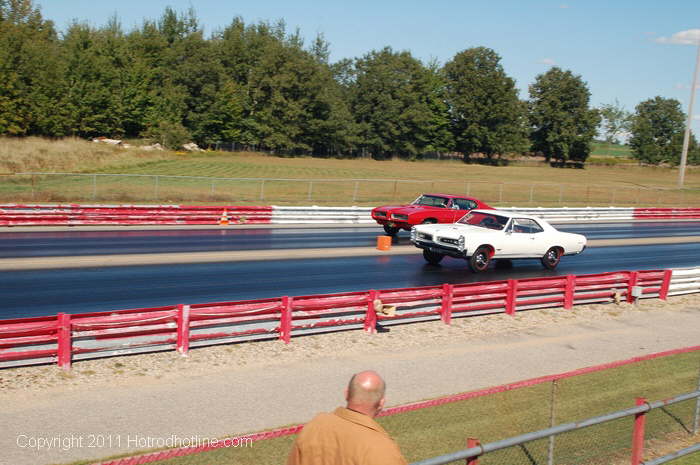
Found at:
[234, 389]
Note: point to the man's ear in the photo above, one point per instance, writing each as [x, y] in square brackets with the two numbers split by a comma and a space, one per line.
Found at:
[381, 403]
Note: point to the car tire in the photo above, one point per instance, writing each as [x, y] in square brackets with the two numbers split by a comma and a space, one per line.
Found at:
[429, 221]
[391, 230]
[480, 259]
[432, 257]
[550, 260]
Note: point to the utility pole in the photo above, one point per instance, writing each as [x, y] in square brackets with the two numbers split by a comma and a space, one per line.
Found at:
[686, 136]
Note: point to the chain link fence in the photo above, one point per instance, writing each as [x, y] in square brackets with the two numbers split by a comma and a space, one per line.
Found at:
[515, 412]
[135, 188]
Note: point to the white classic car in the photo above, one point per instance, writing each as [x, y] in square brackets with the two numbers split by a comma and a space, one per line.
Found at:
[484, 235]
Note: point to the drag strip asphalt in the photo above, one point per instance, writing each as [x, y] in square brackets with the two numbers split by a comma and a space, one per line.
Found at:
[82, 261]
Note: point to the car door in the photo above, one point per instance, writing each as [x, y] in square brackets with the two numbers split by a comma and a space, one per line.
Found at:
[530, 237]
[523, 239]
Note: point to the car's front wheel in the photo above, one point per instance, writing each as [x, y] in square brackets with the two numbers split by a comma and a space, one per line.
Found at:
[550, 260]
[480, 259]
[391, 230]
[432, 257]
[429, 221]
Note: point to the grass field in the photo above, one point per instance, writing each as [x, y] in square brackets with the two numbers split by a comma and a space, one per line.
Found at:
[432, 431]
[225, 177]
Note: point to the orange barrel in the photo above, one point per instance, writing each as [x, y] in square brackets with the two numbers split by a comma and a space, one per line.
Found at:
[383, 242]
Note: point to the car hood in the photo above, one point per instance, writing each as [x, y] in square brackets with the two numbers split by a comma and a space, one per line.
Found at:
[408, 209]
[453, 230]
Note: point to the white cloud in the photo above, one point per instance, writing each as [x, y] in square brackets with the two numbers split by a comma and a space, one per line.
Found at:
[689, 37]
[547, 61]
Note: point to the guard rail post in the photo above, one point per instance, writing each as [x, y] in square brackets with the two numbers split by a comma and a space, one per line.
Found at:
[638, 433]
[511, 296]
[371, 314]
[569, 290]
[473, 442]
[634, 276]
[286, 319]
[64, 341]
[446, 307]
[665, 284]
[183, 329]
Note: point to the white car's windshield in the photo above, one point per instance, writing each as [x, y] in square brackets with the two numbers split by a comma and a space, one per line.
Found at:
[432, 201]
[484, 220]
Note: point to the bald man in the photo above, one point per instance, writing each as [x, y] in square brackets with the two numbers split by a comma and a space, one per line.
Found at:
[349, 435]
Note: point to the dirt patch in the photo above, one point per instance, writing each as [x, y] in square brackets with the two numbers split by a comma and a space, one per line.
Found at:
[148, 368]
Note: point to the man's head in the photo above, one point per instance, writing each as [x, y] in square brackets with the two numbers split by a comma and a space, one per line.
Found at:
[365, 393]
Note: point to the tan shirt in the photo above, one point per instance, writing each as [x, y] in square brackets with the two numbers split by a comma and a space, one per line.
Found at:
[344, 437]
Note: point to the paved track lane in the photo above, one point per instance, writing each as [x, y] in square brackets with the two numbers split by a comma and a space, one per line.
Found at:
[81, 242]
[76, 290]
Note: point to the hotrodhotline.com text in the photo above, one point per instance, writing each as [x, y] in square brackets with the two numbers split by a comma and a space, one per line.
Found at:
[67, 442]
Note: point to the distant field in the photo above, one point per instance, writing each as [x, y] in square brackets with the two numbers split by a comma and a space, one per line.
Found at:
[225, 177]
[611, 150]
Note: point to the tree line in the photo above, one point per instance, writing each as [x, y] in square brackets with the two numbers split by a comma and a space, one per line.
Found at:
[262, 87]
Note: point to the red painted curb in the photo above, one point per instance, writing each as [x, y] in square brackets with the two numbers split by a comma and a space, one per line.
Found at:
[288, 431]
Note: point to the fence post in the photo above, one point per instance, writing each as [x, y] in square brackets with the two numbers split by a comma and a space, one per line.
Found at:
[552, 421]
[638, 433]
[569, 291]
[286, 319]
[446, 308]
[354, 194]
[311, 189]
[94, 187]
[511, 296]
[64, 341]
[473, 442]
[665, 284]
[634, 276]
[183, 329]
[371, 314]
[262, 190]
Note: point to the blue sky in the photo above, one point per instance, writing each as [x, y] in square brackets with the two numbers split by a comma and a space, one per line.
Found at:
[625, 50]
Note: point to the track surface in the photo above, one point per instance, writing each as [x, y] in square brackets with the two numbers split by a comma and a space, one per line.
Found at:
[77, 243]
[76, 290]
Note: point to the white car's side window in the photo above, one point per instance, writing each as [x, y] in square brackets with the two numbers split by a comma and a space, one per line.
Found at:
[526, 226]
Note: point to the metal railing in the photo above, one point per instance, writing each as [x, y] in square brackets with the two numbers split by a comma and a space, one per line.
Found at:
[638, 411]
[38, 186]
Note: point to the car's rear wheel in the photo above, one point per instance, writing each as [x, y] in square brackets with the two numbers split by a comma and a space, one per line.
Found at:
[550, 260]
[391, 230]
[480, 259]
[432, 257]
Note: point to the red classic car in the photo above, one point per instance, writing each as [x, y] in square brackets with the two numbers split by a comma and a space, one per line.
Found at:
[428, 208]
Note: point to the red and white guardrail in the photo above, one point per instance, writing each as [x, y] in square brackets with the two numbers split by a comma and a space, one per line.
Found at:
[65, 338]
[81, 215]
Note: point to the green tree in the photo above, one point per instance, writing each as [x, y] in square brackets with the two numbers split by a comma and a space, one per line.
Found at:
[657, 131]
[562, 124]
[487, 116]
[398, 105]
[31, 71]
[615, 121]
